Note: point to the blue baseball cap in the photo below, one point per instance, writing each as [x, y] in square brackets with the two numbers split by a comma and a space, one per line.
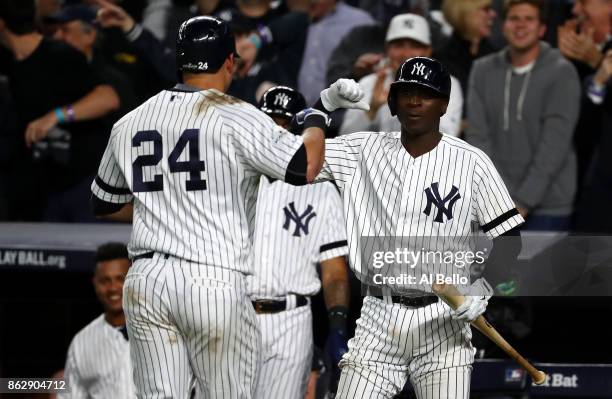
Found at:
[78, 12]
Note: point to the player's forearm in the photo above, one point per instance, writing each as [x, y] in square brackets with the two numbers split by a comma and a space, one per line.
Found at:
[314, 143]
[124, 215]
[111, 211]
[334, 279]
[97, 103]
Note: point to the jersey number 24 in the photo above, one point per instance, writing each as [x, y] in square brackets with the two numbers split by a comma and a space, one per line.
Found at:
[189, 137]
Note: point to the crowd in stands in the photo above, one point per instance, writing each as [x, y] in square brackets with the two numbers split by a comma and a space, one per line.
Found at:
[70, 69]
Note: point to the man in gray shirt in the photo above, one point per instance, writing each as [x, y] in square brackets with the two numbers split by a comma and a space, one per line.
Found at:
[523, 104]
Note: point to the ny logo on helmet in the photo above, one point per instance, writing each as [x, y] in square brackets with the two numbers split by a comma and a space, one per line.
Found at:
[408, 23]
[418, 69]
[282, 100]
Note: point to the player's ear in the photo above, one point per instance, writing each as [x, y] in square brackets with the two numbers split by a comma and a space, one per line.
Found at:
[444, 108]
[229, 63]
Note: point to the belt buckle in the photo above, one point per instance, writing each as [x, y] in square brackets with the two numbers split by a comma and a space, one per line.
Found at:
[259, 305]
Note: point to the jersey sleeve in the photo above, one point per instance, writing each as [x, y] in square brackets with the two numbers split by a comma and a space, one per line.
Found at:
[334, 241]
[110, 184]
[71, 375]
[494, 208]
[262, 145]
[342, 155]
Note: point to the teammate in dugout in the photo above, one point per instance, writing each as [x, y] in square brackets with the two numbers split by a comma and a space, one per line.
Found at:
[296, 227]
[98, 361]
[417, 182]
[184, 167]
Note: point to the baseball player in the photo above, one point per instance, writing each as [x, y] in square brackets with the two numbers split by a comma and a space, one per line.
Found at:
[415, 183]
[296, 227]
[98, 362]
[184, 167]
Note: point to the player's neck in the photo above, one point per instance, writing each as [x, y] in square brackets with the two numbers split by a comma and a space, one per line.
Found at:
[205, 81]
[115, 319]
[419, 144]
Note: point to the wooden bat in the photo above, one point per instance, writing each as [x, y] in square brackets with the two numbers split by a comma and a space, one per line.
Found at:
[449, 294]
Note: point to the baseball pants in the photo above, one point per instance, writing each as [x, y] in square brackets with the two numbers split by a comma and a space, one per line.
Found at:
[286, 353]
[393, 343]
[190, 323]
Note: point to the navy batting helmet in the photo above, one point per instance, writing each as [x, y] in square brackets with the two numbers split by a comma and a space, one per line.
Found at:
[283, 101]
[203, 44]
[420, 71]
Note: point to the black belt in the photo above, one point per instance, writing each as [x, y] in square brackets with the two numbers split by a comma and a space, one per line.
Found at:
[273, 306]
[413, 302]
[147, 255]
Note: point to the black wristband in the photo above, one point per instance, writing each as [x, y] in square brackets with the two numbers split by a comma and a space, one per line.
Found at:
[319, 105]
[338, 315]
[316, 120]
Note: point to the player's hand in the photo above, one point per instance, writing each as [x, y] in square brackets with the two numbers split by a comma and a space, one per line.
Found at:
[469, 311]
[476, 299]
[112, 16]
[344, 93]
[336, 345]
[39, 128]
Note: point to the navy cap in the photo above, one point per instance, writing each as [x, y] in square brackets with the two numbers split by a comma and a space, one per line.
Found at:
[78, 12]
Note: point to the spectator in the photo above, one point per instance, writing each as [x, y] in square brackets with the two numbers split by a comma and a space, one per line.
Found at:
[583, 38]
[98, 361]
[523, 105]
[121, 54]
[76, 28]
[584, 41]
[597, 192]
[363, 47]
[408, 36]
[270, 42]
[147, 47]
[57, 102]
[471, 21]
[331, 21]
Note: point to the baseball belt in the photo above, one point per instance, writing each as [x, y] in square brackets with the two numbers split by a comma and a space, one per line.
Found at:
[273, 306]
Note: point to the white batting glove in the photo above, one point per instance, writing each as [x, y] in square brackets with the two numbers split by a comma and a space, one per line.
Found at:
[344, 93]
[469, 311]
[476, 301]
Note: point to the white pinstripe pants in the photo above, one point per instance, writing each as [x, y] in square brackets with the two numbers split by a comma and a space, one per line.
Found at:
[393, 343]
[286, 353]
[190, 323]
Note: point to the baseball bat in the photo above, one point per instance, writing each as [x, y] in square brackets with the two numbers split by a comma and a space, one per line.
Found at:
[449, 294]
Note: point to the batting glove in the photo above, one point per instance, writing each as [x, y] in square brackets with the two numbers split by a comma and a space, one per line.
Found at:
[476, 302]
[336, 345]
[344, 93]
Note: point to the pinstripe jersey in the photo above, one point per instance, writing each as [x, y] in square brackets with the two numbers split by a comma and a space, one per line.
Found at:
[295, 228]
[388, 193]
[191, 160]
[98, 363]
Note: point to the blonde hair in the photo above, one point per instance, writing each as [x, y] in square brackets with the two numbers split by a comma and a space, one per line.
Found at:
[456, 12]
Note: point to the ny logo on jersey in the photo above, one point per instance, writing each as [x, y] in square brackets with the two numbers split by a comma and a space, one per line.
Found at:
[418, 69]
[282, 100]
[433, 198]
[301, 221]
